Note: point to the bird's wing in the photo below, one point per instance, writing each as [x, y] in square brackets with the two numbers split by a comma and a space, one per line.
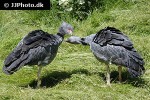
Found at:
[112, 36]
[36, 43]
[122, 52]
[35, 37]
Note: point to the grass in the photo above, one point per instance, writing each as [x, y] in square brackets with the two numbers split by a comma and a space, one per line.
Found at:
[75, 74]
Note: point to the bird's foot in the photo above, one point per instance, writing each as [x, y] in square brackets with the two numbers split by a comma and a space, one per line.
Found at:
[106, 85]
[38, 84]
[120, 82]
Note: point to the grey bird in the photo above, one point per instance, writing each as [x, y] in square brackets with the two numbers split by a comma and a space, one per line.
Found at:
[110, 45]
[36, 48]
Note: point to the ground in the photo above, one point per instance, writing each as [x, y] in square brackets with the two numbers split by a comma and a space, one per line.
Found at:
[75, 74]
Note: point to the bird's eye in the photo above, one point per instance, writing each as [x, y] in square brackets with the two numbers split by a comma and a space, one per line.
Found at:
[69, 28]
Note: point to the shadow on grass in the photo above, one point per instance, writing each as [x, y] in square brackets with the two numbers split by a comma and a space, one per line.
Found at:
[126, 79]
[52, 79]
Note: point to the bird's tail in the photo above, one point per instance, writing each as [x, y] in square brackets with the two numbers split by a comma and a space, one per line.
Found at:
[136, 64]
[14, 62]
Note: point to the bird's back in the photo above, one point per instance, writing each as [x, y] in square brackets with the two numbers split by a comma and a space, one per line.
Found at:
[111, 45]
[37, 48]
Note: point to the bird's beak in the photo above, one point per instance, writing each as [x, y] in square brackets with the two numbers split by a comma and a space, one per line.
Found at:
[70, 32]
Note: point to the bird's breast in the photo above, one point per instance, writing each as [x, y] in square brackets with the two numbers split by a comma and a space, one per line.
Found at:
[108, 53]
[51, 54]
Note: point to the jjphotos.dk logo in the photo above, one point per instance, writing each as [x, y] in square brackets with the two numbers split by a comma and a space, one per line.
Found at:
[7, 5]
[25, 5]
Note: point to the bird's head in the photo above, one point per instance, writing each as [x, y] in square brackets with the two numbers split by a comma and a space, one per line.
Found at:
[65, 28]
[74, 40]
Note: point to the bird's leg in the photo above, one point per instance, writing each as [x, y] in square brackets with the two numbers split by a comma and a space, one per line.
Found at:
[119, 70]
[108, 75]
[38, 75]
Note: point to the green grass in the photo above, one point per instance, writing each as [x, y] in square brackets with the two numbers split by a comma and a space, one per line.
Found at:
[75, 74]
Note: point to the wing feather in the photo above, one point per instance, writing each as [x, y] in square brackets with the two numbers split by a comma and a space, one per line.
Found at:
[112, 36]
[113, 40]
[35, 43]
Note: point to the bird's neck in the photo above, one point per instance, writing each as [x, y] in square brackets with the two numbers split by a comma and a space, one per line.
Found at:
[88, 39]
[61, 35]
[60, 38]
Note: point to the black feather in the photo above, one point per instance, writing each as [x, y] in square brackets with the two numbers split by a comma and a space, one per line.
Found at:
[31, 49]
[112, 36]
[116, 46]
[110, 45]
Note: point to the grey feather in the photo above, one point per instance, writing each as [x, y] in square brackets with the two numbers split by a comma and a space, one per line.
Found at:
[33, 49]
[74, 40]
[111, 45]
[36, 48]
[124, 55]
